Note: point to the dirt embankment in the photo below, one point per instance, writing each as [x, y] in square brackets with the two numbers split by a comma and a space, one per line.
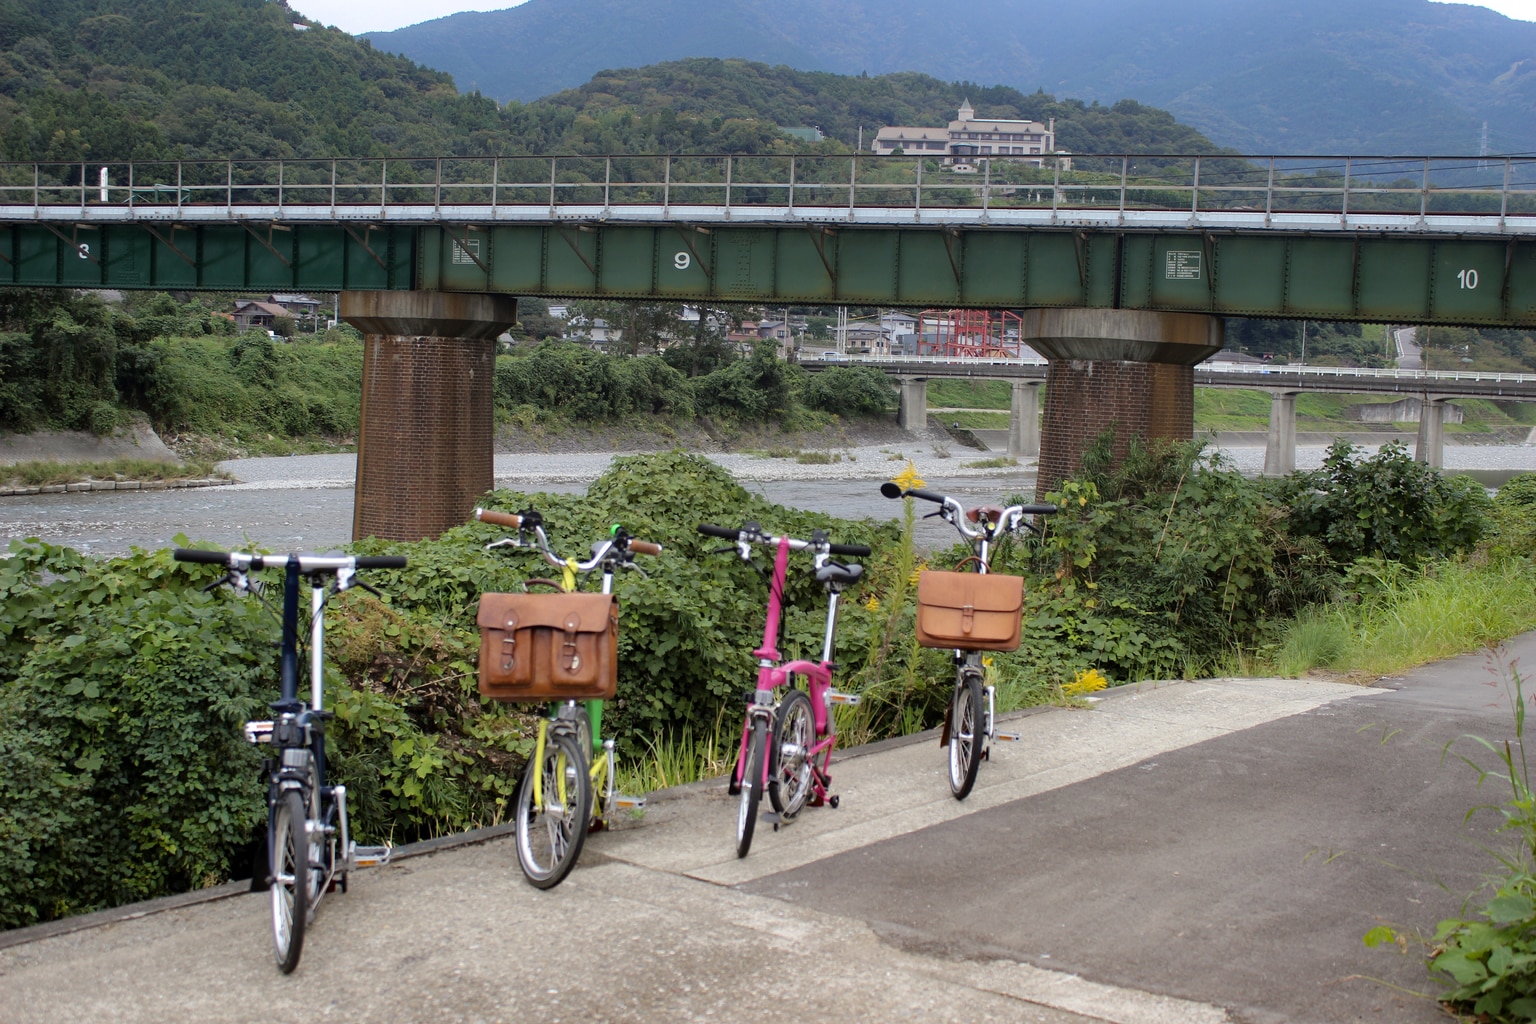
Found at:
[703, 435]
[136, 442]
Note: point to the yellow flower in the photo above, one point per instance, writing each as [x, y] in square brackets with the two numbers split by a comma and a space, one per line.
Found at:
[873, 604]
[907, 479]
[1085, 682]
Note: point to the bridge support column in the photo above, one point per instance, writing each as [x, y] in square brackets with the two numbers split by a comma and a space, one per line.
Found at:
[1024, 421]
[912, 413]
[424, 447]
[1430, 448]
[1280, 450]
[1128, 372]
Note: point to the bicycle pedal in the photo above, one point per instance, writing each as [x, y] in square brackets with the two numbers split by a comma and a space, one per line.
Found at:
[371, 856]
[1008, 737]
[837, 697]
[628, 803]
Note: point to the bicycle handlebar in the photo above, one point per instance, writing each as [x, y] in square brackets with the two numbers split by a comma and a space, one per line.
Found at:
[750, 536]
[486, 515]
[601, 553]
[953, 512]
[243, 560]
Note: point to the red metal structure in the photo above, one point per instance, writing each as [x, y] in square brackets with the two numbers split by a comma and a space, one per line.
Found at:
[968, 333]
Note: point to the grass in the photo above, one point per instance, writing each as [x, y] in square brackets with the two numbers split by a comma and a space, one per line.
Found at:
[1000, 462]
[1448, 609]
[972, 419]
[966, 394]
[48, 474]
[675, 760]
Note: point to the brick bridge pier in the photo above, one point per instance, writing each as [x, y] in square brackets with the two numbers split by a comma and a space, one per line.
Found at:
[424, 446]
[1127, 371]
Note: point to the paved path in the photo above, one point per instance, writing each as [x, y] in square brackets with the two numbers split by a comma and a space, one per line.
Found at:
[1178, 854]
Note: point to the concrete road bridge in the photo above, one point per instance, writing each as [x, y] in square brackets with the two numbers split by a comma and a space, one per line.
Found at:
[1431, 389]
[1124, 264]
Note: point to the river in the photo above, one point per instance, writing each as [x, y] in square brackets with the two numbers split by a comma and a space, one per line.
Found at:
[305, 502]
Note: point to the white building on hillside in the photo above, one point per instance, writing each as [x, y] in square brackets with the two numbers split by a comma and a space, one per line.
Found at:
[970, 139]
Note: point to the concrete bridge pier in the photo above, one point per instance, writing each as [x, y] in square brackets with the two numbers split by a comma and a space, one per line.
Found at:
[1280, 449]
[424, 446]
[1129, 372]
[1430, 448]
[912, 412]
[1024, 422]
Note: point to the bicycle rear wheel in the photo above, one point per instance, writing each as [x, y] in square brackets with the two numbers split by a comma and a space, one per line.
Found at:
[794, 733]
[966, 734]
[551, 831]
[751, 786]
[291, 880]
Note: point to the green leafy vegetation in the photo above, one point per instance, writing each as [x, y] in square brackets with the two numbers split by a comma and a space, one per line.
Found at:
[1168, 565]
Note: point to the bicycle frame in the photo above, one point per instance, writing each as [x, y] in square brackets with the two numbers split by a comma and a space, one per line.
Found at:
[771, 676]
[300, 871]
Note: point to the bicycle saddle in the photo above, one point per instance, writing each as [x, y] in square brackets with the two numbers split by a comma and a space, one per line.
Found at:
[841, 574]
[992, 512]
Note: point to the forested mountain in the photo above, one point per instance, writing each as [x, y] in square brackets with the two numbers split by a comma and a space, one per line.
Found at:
[1305, 76]
[152, 79]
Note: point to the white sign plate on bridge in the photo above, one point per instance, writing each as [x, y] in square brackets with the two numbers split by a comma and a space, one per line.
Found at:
[1181, 265]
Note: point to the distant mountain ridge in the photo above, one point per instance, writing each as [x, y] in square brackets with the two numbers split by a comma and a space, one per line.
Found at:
[1308, 76]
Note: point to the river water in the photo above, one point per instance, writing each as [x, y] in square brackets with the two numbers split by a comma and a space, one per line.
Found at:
[305, 503]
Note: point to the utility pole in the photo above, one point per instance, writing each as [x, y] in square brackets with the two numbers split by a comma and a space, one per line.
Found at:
[1303, 343]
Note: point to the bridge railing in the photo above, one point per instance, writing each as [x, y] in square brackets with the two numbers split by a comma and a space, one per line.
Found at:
[1257, 373]
[1346, 186]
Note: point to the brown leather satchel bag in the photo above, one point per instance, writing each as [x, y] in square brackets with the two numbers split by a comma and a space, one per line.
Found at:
[540, 647]
[969, 610]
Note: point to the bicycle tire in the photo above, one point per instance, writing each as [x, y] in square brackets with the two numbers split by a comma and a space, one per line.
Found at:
[549, 838]
[751, 787]
[790, 769]
[966, 733]
[290, 879]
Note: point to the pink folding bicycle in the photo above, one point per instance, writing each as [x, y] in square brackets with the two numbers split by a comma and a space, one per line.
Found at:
[786, 742]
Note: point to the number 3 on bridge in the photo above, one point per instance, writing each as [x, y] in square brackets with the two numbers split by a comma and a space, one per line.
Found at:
[682, 261]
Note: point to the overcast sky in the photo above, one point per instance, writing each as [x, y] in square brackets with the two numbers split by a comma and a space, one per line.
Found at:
[357, 16]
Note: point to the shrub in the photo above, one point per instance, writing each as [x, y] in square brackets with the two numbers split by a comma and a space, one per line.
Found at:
[120, 707]
[849, 391]
[1387, 506]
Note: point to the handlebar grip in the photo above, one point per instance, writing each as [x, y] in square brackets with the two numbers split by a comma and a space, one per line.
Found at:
[1038, 510]
[849, 549]
[201, 555]
[927, 495]
[710, 530]
[381, 561]
[486, 515]
[645, 547]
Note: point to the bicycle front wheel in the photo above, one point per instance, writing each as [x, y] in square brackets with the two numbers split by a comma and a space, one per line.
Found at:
[552, 829]
[291, 880]
[794, 733]
[751, 786]
[966, 734]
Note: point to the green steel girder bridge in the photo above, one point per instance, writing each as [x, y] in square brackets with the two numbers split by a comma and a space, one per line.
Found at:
[1362, 239]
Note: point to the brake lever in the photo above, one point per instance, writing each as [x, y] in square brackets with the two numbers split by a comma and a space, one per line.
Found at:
[728, 549]
[216, 584]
